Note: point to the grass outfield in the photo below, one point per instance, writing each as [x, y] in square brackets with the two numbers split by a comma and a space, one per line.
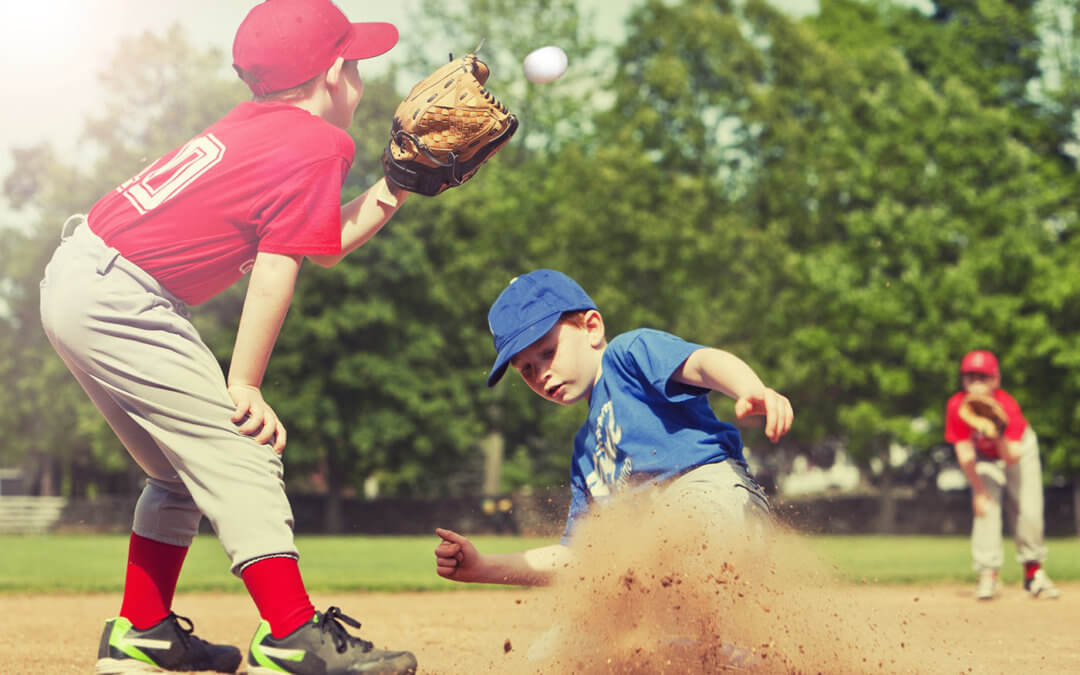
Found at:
[928, 560]
[95, 563]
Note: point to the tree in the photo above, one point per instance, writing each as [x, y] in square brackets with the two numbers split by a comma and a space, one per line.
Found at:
[848, 218]
[418, 293]
[1021, 267]
[1058, 88]
[161, 91]
[876, 209]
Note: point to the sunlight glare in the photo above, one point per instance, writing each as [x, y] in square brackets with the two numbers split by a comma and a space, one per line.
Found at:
[46, 31]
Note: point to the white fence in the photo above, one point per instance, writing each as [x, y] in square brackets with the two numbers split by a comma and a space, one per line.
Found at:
[30, 514]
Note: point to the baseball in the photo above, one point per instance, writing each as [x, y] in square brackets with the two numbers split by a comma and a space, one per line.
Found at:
[545, 64]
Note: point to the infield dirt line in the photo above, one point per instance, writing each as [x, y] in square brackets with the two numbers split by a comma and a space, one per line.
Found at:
[471, 632]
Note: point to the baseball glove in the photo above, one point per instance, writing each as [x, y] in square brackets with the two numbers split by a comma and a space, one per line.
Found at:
[984, 414]
[446, 128]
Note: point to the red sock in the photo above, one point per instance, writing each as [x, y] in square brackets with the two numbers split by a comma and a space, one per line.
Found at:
[152, 571]
[278, 591]
[1030, 568]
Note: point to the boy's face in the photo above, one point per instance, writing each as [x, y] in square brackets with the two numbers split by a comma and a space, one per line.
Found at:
[562, 366]
[979, 383]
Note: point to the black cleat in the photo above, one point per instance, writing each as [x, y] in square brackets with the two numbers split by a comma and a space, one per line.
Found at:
[168, 646]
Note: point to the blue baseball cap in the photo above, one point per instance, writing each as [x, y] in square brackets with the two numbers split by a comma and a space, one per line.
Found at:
[527, 309]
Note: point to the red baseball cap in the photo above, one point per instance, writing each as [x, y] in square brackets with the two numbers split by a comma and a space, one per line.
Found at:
[284, 43]
[979, 361]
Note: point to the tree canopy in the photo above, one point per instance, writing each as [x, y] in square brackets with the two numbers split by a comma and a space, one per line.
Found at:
[849, 202]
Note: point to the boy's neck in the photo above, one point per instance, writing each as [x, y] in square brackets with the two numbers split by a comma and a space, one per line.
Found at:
[319, 100]
[599, 372]
[313, 104]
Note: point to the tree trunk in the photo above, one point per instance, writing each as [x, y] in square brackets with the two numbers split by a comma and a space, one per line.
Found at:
[492, 446]
[886, 520]
[1076, 504]
[333, 517]
[47, 479]
[80, 473]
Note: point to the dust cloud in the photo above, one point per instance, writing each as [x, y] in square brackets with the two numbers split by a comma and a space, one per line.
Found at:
[656, 588]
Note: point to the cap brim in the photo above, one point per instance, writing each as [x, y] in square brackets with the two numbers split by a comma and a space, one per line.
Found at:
[519, 342]
[370, 39]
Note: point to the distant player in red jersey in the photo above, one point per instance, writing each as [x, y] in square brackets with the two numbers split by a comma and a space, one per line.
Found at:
[1004, 466]
[255, 193]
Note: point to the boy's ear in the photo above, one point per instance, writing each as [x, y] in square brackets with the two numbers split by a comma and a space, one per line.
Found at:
[333, 74]
[594, 323]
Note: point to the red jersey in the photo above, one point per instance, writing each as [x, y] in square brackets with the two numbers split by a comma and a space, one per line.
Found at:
[957, 429]
[266, 177]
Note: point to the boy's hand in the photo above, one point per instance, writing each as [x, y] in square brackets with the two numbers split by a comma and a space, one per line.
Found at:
[254, 417]
[981, 504]
[455, 556]
[984, 415]
[773, 405]
[1009, 451]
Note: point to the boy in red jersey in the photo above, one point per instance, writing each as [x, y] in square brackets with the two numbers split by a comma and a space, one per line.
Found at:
[1007, 465]
[257, 192]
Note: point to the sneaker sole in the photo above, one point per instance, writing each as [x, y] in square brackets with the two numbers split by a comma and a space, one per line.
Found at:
[401, 666]
[374, 670]
[122, 666]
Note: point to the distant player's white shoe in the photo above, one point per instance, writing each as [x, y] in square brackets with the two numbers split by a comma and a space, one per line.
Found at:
[987, 586]
[1040, 585]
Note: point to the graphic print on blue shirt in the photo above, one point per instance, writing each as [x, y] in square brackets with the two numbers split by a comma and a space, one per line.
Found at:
[642, 426]
[610, 472]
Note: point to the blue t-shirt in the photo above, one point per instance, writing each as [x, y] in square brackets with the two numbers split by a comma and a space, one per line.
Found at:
[644, 427]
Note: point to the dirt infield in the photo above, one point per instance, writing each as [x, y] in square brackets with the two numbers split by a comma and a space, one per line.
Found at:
[944, 630]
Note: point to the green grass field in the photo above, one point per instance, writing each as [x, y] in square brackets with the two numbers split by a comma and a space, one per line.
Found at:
[95, 563]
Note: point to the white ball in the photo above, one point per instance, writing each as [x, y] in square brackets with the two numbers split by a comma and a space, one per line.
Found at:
[545, 64]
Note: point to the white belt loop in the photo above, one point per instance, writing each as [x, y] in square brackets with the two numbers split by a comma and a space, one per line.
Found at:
[70, 225]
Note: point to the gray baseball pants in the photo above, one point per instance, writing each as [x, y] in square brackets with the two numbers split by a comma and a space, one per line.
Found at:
[726, 494]
[1021, 486]
[131, 345]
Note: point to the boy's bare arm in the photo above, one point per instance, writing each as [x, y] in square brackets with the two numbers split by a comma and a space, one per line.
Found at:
[965, 457]
[721, 371]
[269, 293]
[1009, 450]
[456, 558]
[363, 217]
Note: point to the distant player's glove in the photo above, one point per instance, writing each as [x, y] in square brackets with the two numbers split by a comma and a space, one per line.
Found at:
[984, 414]
[446, 128]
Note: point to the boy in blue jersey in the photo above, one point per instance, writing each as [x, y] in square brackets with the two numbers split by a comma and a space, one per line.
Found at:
[649, 421]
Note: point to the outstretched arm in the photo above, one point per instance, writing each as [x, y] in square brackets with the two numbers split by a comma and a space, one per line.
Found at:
[363, 217]
[456, 558]
[722, 371]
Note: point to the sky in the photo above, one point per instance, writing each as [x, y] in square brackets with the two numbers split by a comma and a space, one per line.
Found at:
[52, 50]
